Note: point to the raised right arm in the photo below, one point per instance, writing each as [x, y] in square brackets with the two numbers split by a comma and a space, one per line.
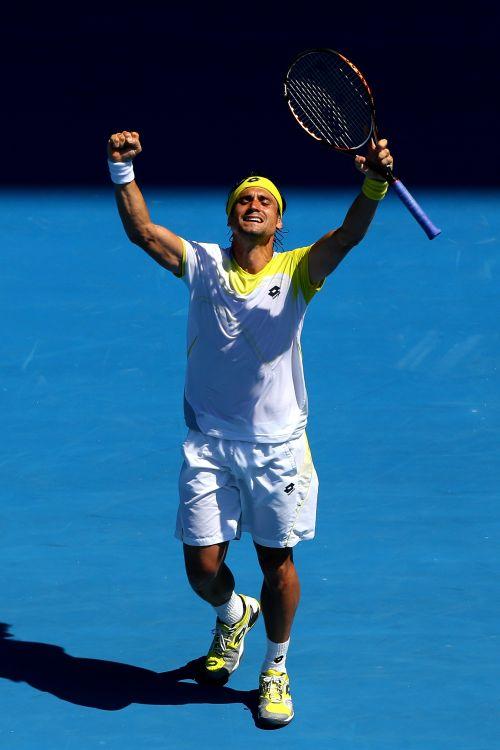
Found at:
[165, 247]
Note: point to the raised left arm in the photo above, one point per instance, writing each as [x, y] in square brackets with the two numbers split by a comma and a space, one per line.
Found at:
[326, 254]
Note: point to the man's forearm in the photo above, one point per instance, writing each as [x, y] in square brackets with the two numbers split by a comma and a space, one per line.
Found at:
[357, 221]
[133, 211]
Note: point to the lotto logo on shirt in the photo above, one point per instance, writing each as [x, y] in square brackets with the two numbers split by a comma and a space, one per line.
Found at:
[274, 291]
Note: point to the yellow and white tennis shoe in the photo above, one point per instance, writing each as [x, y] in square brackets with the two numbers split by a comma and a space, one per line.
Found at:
[275, 702]
[228, 644]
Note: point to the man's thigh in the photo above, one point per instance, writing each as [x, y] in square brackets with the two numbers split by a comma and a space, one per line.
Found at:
[209, 499]
[279, 493]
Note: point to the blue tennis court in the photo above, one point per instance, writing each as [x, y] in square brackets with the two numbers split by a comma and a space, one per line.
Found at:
[396, 641]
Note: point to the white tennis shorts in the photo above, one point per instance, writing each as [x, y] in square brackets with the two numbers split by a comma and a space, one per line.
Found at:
[229, 486]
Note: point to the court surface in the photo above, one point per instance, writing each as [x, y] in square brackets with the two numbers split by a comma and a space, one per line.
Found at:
[396, 642]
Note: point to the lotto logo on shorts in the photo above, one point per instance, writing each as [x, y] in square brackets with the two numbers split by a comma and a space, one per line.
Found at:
[289, 488]
[274, 291]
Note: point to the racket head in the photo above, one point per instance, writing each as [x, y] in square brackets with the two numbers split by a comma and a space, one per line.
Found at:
[330, 99]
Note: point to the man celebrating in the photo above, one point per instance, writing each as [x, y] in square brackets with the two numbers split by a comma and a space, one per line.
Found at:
[247, 464]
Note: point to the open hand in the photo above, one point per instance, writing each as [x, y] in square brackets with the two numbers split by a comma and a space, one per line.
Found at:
[377, 160]
[124, 146]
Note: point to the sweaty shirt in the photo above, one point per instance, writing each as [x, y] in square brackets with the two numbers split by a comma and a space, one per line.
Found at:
[244, 375]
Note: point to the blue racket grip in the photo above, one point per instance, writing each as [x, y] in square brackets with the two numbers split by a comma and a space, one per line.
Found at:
[413, 207]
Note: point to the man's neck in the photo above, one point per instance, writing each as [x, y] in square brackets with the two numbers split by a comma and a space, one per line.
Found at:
[250, 256]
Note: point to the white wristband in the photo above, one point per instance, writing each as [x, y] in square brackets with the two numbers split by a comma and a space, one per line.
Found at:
[121, 171]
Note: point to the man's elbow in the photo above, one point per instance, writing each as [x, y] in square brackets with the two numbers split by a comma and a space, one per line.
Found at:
[348, 239]
[142, 236]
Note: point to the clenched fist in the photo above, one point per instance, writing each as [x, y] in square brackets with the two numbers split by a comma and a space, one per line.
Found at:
[124, 146]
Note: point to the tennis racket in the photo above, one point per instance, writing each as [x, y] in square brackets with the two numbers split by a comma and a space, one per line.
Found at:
[331, 100]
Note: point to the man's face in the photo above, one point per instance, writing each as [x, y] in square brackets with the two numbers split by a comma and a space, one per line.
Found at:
[255, 213]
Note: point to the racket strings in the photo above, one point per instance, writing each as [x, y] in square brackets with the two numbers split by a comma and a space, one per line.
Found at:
[321, 112]
[339, 80]
[339, 117]
[330, 122]
[330, 99]
[339, 126]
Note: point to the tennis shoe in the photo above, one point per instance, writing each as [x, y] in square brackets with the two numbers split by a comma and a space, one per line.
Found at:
[275, 702]
[228, 644]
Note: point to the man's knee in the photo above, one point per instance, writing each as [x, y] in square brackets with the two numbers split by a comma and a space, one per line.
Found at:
[203, 564]
[276, 564]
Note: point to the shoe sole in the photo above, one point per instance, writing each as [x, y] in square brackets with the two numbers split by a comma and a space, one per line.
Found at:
[274, 723]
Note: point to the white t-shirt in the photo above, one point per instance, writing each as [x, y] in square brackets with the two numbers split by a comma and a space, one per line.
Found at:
[244, 377]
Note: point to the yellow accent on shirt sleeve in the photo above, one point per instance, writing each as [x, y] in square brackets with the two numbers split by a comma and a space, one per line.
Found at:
[300, 275]
[183, 261]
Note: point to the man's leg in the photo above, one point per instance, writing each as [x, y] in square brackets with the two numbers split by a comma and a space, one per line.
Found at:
[208, 574]
[280, 591]
[279, 601]
[213, 581]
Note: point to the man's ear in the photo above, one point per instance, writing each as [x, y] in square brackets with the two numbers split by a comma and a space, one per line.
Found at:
[279, 223]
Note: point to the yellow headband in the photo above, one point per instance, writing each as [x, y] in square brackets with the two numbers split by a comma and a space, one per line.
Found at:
[262, 182]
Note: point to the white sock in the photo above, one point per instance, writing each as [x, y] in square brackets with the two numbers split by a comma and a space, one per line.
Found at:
[232, 610]
[275, 657]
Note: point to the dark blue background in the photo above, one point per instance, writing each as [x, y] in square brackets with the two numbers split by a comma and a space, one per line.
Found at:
[203, 87]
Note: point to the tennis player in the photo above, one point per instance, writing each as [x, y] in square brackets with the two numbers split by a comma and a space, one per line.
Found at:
[247, 464]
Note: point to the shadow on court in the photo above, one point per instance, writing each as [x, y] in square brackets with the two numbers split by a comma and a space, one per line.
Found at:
[108, 685]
